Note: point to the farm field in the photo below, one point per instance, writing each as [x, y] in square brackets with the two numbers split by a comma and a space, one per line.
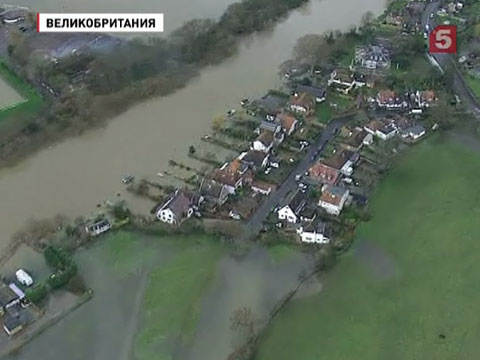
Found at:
[409, 288]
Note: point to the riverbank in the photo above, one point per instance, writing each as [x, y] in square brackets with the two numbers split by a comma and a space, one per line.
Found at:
[413, 264]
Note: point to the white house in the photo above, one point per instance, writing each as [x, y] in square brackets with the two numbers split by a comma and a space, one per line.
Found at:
[333, 199]
[182, 205]
[313, 233]
[291, 211]
[372, 57]
[264, 141]
[98, 228]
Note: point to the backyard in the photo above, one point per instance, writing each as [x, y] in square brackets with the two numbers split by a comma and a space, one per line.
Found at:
[409, 287]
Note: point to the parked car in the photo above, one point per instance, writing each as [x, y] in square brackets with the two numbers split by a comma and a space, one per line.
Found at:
[128, 179]
[298, 177]
[23, 277]
[268, 171]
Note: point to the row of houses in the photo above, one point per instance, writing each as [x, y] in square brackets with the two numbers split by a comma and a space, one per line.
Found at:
[280, 120]
[416, 101]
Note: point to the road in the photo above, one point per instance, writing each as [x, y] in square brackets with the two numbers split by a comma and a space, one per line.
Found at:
[459, 85]
[255, 224]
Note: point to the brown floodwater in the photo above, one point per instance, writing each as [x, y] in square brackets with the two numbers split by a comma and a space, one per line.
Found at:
[74, 175]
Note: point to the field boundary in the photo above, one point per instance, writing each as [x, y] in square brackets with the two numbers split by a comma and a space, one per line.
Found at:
[32, 99]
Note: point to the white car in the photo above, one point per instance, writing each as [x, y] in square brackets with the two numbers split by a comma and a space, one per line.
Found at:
[268, 171]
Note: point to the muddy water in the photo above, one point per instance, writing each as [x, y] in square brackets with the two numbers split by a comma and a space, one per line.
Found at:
[253, 282]
[75, 175]
[176, 11]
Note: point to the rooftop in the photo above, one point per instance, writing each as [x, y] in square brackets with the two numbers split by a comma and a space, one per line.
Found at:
[333, 194]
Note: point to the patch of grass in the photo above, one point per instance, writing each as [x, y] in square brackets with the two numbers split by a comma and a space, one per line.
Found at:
[426, 220]
[474, 84]
[173, 297]
[324, 113]
[33, 100]
[281, 252]
[334, 104]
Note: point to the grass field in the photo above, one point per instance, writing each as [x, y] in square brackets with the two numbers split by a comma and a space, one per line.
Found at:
[415, 293]
[334, 104]
[173, 298]
[33, 100]
[474, 84]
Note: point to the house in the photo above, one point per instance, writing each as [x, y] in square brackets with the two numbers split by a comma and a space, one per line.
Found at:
[243, 208]
[271, 104]
[14, 320]
[383, 128]
[343, 161]
[263, 188]
[302, 103]
[264, 141]
[319, 94]
[313, 233]
[180, 206]
[414, 132]
[426, 99]
[353, 139]
[389, 100]
[323, 174]
[333, 199]
[287, 122]
[8, 298]
[254, 159]
[231, 175]
[293, 207]
[213, 192]
[372, 57]
[308, 214]
[271, 126]
[98, 227]
[341, 79]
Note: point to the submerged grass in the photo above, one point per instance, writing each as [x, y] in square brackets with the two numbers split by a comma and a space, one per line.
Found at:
[426, 216]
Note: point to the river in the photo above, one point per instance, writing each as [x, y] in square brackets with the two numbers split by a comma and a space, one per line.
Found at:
[73, 176]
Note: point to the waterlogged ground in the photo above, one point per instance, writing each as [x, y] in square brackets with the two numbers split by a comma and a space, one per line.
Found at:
[166, 298]
[409, 287]
[8, 95]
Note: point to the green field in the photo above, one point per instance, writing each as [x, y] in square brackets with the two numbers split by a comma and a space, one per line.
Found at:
[33, 100]
[474, 84]
[414, 293]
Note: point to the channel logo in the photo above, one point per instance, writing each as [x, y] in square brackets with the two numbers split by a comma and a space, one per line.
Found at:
[443, 40]
[99, 23]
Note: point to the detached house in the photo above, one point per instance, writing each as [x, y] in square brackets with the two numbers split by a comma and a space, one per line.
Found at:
[341, 79]
[319, 94]
[313, 233]
[293, 207]
[382, 128]
[425, 99]
[354, 139]
[323, 174]
[180, 206]
[302, 103]
[287, 122]
[213, 192]
[264, 141]
[333, 199]
[389, 100]
[232, 176]
[254, 159]
[372, 57]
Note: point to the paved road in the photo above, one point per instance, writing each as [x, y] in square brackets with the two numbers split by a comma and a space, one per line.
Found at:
[459, 85]
[254, 225]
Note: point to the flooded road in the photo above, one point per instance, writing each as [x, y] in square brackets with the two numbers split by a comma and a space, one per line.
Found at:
[73, 176]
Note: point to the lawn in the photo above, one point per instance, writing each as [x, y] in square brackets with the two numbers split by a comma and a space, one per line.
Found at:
[474, 84]
[33, 100]
[414, 293]
[173, 298]
[335, 104]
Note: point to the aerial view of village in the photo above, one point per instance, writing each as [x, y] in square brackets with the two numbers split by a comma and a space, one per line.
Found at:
[265, 179]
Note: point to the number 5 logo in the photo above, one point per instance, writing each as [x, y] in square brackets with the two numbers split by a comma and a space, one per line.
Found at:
[443, 39]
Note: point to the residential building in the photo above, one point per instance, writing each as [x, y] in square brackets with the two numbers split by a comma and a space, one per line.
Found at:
[271, 126]
[292, 207]
[414, 132]
[343, 161]
[333, 199]
[98, 227]
[287, 122]
[264, 141]
[254, 159]
[302, 103]
[389, 100]
[263, 188]
[313, 233]
[232, 175]
[426, 99]
[8, 298]
[323, 174]
[341, 79]
[180, 206]
[308, 214]
[353, 139]
[244, 208]
[372, 57]
[213, 192]
[319, 94]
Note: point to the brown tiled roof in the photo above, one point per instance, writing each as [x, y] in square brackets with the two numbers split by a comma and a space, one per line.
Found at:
[304, 100]
[428, 96]
[386, 96]
[266, 138]
[333, 195]
[287, 120]
[324, 172]
[226, 176]
[338, 160]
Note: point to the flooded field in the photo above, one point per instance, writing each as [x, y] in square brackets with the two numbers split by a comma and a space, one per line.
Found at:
[8, 96]
[75, 175]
